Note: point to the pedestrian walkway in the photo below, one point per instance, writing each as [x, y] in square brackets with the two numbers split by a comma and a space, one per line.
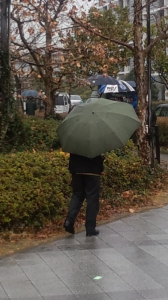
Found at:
[127, 261]
[164, 157]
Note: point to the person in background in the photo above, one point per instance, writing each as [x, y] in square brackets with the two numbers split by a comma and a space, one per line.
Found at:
[121, 99]
[31, 106]
[134, 101]
[85, 184]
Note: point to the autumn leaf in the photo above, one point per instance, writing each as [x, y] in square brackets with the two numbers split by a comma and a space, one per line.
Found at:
[126, 194]
[62, 58]
[111, 59]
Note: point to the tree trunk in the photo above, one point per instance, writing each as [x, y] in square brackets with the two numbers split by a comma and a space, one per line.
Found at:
[49, 107]
[49, 103]
[18, 92]
[141, 83]
[4, 60]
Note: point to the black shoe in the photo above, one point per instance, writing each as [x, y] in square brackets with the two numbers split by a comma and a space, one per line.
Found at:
[69, 227]
[92, 232]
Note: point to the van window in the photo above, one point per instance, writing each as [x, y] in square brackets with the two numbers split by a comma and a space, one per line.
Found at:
[59, 100]
[164, 111]
[65, 101]
[158, 110]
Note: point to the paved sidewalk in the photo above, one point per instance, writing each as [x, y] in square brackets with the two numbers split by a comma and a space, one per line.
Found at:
[128, 261]
[164, 157]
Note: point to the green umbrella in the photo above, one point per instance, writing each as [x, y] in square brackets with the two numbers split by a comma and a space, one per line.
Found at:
[94, 128]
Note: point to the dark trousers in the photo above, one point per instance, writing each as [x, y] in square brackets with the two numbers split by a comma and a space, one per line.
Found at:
[85, 186]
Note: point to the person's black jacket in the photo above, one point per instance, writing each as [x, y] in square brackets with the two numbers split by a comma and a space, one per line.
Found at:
[82, 164]
[31, 107]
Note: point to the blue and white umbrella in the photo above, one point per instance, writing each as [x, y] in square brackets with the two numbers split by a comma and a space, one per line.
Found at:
[30, 93]
[132, 83]
[120, 86]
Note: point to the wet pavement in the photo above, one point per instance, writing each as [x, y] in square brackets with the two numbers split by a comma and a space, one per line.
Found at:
[127, 261]
[164, 158]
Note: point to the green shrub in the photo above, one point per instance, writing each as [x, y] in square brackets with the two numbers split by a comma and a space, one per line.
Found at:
[34, 188]
[31, 134]
[125, 171]
[163, 130]
[125, 151]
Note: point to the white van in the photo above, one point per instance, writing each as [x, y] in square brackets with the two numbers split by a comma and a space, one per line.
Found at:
[62, 103]
[75, 100]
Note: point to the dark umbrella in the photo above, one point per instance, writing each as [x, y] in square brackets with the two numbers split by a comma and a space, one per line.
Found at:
[30, 93]
[132, 83]
[102, 79]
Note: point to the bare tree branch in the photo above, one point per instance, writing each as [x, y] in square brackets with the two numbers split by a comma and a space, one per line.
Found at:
[20, 27]
[162, 36]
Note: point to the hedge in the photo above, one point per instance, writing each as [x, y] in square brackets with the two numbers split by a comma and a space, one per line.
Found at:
[36, 187]
[37, 134]
[125, 171]
[163, 130]
[31, 133]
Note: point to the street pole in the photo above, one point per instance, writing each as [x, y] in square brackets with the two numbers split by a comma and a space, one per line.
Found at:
[4, 55]
[149, 88]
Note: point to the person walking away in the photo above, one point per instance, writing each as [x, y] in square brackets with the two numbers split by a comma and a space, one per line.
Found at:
[31, 106]
[85, 184]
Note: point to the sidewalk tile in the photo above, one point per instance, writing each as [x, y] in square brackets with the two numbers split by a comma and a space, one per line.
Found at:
[129, 257]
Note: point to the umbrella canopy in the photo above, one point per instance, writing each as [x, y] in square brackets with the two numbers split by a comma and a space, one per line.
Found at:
[132, 83]
[129, 86]
[119, 87]
[102, 79]
[97, 127]
[30, 93]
